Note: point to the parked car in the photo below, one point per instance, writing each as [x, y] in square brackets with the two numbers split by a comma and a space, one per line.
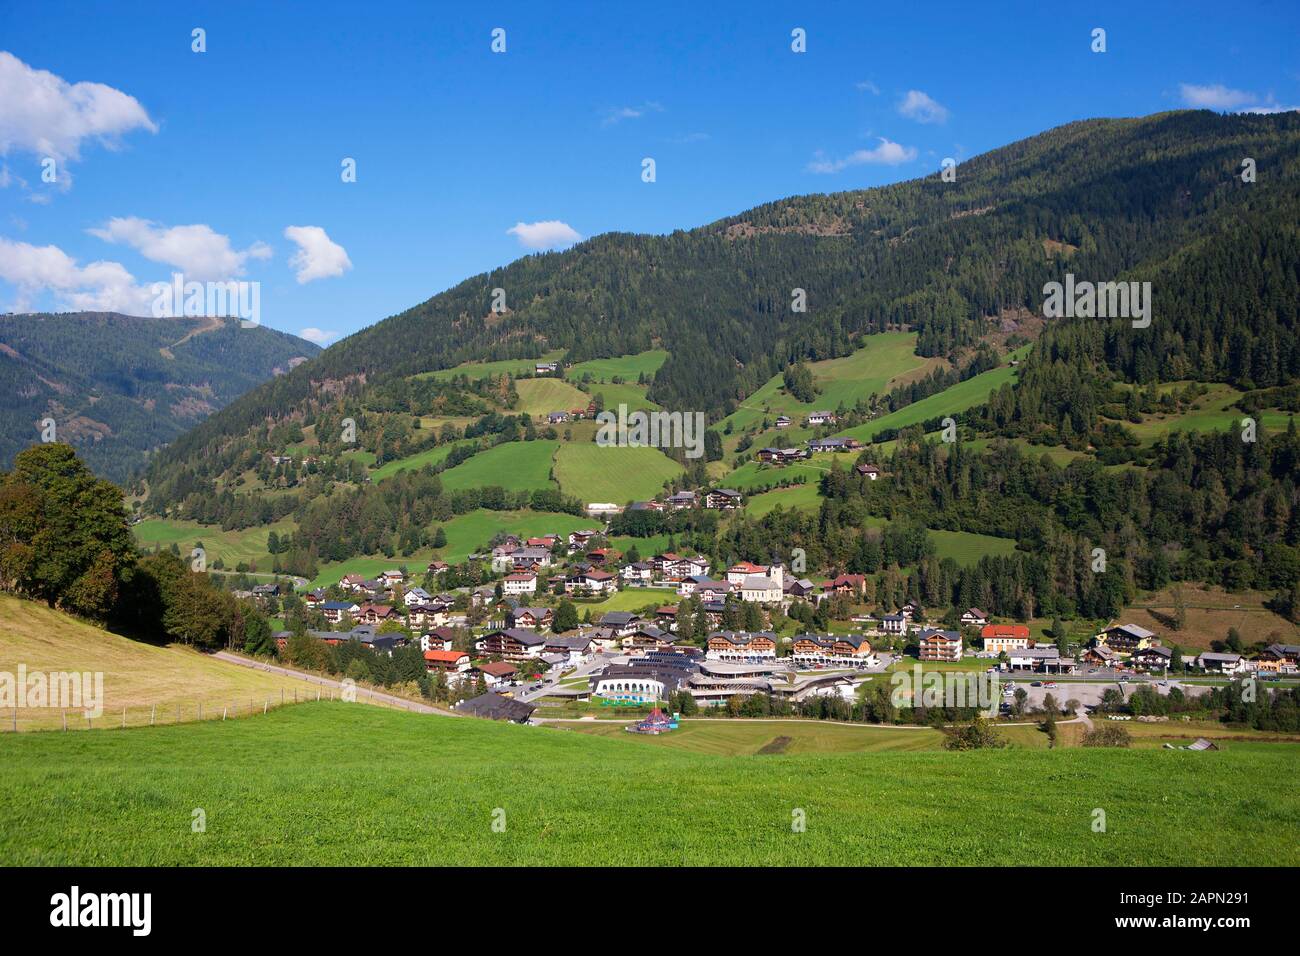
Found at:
[1036, 683]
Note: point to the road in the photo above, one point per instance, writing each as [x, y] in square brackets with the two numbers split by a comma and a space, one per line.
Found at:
[363, 695]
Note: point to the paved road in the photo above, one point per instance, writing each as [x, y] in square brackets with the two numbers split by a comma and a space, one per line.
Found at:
[363, 696]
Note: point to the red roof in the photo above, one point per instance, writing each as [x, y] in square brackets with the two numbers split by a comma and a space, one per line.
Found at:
[448, 657]
[1004, 630]
[521, 576]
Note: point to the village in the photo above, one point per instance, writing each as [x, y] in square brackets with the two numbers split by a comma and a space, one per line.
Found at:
[515, 647]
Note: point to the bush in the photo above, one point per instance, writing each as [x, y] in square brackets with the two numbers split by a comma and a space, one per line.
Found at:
[977, 735]
[1108, 735]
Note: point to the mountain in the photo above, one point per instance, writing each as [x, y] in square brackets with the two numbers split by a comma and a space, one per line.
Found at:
[703, 320]
[119, 386]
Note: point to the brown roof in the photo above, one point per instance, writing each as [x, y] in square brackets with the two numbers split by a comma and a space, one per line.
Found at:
[498, 669]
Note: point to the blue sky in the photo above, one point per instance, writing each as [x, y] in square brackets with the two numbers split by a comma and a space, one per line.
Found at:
[455, 145]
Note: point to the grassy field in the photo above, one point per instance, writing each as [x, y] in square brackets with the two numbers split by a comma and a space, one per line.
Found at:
[232, 547]
[541, 396]
[430, 456]
[628, 599]
[806, 497]
[631, 395]
[514, 466]
[966, 547]
[958, 398]
[755, 737]
[627, 367]
[342, 784]
[756, 474]
[596, 473]
[477, 370]
[137, 676]
[882, 358]
[1210, 613]
[1213, 413]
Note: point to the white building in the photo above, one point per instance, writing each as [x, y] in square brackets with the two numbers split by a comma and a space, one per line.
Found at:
[521, 582]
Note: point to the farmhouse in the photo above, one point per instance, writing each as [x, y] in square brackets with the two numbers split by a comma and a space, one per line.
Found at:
[783, 421]
[893, 623]
[850, 585]
[939, 645]
[622, 623]
[591, 582]
[647, 637]
[1099, 655]
[867, 471]
[1005, 637]
[575, 649]
[781, 456]
[546, 368]
[1152, 658]
[416, 596]
[439, 639]
[820, 418]
[334, 610]
[683, 499]
[974, 617]
[524, 559]
[640, 572]
[498, 673]
[533, 617]
[828, 444]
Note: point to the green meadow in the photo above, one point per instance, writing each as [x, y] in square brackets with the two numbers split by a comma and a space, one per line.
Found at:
[627, 367]
[477, 370]
[430, 456]
[333, 784]
[539, 397]
[594, 472]
[514, 466]
[231, 547]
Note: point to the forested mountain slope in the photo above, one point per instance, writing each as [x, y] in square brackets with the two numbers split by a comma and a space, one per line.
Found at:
[118, 386]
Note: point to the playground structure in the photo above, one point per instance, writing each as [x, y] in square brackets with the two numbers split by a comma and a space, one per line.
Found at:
[657, 723]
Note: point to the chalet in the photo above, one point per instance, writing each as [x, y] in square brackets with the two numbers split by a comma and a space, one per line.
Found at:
[647, 637]
[939, 645]
[370, 613]
[263, 591]
[683, 499]
[714, 592]
[533, 617]
[483, 595]
[1283, 657]
[334, 610]
[498, 673]
[438, 639]
[867, 471]
[578, 539]
[521, 582]
[639, 572]
[666, 616]
[515, 644]
[547, 541]
[546, 368]
[820, 418]
[456, 662]
[530, 558]
[575, 648]
[622, 623]
[760, 589]
[557, 418]
[433, 614]
[1224, 663]
[437, 567]
[974, 617]
[677, 567]
[783, 421]
[1099, 655]
[1154, 658]
[781, 456]
[492, 706]
[591, 582]
[852, 585]
[851, 650]
[416, 596]
[688, 586]
[353, 582]
[391, 578]
[314, 598]
[602, 509]
[909, 611]
[1000, 638]
[741, 646]
[1127, 637]
[723, 498]
[603, 557]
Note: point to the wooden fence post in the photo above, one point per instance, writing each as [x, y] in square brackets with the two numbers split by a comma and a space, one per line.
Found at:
[153, 711]
[124, 716]
[65, 721]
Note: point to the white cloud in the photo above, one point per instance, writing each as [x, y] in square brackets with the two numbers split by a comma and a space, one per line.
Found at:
[920, 107]
[551, 234]
[618, 114]
[44, 114]
[318, 256]
[888, 153]
[319, 336]
[196, 250]
[98, 286]
[1216, 96]
[867, 86]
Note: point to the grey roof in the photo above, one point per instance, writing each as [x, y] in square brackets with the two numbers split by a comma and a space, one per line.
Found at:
[495, 707]
[1158, 651]
[520, 634]
[573, 643]
[1037, 653]
[618, 618]
[1224, 658]
[1133, 630]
